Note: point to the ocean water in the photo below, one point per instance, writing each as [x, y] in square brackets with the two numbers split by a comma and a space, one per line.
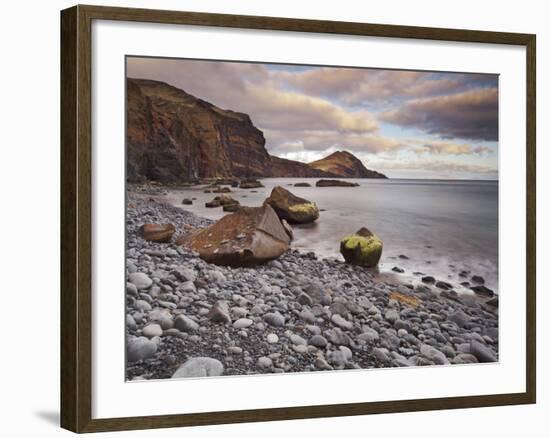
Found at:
[442, 226]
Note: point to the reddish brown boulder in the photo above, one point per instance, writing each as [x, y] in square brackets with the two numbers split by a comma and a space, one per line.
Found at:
[161, 233]
[250, 236]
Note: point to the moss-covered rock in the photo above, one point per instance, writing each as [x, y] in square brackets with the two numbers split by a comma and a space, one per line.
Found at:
[362, 248]
[292, 208]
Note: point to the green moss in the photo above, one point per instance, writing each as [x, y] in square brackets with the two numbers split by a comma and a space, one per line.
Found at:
[359, 250]
[306, 208]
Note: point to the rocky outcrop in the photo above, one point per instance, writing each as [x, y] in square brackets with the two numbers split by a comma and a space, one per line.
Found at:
[362, 248]
[344, 164]
[292, 208]
[283, 168]
[161, 233]
[173, 137]
[250, 236]
[334, 183]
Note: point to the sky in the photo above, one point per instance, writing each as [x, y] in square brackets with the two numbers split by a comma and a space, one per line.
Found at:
[405, 124]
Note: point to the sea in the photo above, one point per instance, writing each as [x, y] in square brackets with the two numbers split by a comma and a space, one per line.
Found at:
[428, 227]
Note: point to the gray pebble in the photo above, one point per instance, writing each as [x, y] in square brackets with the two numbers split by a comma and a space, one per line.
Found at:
[199, 367]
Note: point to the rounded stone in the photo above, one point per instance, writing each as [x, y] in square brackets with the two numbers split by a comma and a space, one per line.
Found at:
[142, 306]
[199, 367]
[265, 362]
[185, 324]
[297, 340]
[242, 323]
[152, 330]
[318, 341]
[433, 354]
[275, 319]
[341, 322]
[139, 349]
[140, 280]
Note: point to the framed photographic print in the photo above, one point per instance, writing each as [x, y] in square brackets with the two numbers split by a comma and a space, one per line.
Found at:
[269, 218]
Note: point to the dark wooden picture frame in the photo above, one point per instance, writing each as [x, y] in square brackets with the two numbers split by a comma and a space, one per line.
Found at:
[76, 217]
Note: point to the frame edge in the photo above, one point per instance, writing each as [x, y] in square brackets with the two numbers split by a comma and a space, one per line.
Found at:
[76, 171]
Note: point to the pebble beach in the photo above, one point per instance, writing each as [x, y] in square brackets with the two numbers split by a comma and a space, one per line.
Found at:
[298, 313]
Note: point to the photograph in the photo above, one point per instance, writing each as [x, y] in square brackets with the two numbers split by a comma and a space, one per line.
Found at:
[299, 218]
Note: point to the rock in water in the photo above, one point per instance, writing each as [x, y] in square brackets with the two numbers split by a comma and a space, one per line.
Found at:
[362, 248]
[250, 184]
[483, 291]
[157, 232]
[199, 367]
[230, 208]
[292, 208]
[248, 237]
[335, 183]
[226, 199]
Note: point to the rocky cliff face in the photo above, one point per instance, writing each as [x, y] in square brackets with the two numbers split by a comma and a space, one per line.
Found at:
[345, 165]
[173, 136]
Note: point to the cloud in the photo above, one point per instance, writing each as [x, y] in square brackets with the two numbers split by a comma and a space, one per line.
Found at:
[435, 166]
[440, 147]
[282, 144]
[249, 88]
[354, 86]
[472, 115]
[308, 112]
[275, 109]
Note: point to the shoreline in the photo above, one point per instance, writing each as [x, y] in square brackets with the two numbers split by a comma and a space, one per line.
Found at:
[328, 314]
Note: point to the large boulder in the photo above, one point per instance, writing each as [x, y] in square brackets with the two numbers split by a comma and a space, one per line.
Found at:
[248, 237]
[157, 232]
[292, 208]
[335, 183]
[362, 248]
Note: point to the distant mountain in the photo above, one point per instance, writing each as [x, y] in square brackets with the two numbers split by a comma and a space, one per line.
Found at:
[283, 168]
[173, 136]
[345, 165]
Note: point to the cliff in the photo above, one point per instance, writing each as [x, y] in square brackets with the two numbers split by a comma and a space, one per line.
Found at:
[173, 137]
